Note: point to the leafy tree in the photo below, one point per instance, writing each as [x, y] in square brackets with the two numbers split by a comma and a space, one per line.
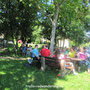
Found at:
[61, 16]
[17, 18]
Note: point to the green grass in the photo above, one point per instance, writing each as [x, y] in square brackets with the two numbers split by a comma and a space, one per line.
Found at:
[15, 76]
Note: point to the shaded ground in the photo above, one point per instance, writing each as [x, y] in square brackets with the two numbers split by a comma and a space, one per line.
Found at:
[5, 54]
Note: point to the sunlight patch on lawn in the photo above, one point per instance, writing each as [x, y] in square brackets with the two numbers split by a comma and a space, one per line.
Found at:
[71, 81]
[7, 88]
[2, 73]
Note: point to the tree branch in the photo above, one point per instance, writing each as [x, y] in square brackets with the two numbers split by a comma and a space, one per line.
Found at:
[42, 11]
[61, 2]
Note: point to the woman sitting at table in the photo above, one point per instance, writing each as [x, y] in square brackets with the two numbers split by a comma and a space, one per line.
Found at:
[72, 53]
[64, 61]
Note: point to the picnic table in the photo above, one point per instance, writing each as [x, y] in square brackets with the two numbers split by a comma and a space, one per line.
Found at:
[50, 61]
[53, 62]
[75, 60]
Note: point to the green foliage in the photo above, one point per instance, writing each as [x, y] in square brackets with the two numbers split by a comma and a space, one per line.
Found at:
[85, 44]
[73, 21]
[36, 35]
[31, 19]
[17, 18]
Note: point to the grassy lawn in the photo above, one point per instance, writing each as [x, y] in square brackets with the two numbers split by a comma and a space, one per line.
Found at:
[15, 76]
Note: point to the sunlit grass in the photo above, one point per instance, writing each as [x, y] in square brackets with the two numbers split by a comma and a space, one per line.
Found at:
[15, 76]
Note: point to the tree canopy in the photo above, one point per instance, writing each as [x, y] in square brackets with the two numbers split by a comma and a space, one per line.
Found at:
[31, 20]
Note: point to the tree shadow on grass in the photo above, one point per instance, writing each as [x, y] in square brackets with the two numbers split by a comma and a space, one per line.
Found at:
[15, 76]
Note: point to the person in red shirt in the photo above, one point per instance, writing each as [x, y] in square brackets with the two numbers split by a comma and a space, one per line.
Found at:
[45, 51]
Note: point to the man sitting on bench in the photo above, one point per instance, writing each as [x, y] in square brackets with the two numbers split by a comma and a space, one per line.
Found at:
[45, 52]
[35, 56]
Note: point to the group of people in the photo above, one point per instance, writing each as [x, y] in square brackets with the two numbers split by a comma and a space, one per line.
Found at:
[64, 55]
[26, 50]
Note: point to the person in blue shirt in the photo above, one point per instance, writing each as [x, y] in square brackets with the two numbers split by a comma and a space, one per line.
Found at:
[35, 55]
[24, 49]
[35, 52]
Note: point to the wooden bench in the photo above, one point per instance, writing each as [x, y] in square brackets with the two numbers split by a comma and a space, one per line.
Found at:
[53, 62]
[49, 61]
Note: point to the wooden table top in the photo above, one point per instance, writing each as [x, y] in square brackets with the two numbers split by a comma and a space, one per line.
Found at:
[76, 59]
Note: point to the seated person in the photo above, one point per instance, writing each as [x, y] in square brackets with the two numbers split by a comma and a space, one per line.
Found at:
[82, 55]
[72, 53]
[88, 59]
[35, 55]
[65, 52]
[64, 62]
[21, 49]
[29, 50]
[25, 49]
[45, 51]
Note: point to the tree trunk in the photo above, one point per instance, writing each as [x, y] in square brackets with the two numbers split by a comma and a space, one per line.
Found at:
[55, 42]
[7, 45]
[13, 44]
[63, 42]
[16, 44]
[54, 24]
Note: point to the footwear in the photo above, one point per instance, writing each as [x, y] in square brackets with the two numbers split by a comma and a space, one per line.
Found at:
[26, 64]
[29, 61]
[42, 69]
